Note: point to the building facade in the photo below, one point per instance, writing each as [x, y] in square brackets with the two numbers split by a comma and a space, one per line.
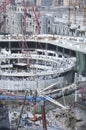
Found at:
[74, 2]
[57, 2]
[46, 2]
[39, 2]
[29, 2]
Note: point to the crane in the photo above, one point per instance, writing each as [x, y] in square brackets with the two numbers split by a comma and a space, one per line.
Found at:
[23, 44]
[39, 97]
[26, 14]
[3, 10]
[24, 17]
[37, 21]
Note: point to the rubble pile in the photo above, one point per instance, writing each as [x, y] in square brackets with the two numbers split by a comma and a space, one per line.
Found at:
[67, 119]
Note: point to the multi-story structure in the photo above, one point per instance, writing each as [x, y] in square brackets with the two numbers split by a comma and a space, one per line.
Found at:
[47, 2]
[74, 2]
[29, 2]
[55, 22]
[54, 2]
[39, 2]
[66, 2]
[46, 24]
[60, 25]
[15, 20]
[31, 23]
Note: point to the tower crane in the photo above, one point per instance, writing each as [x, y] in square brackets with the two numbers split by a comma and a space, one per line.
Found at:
[3, 10]
[37, 21]
[23, 43]
[24, 17]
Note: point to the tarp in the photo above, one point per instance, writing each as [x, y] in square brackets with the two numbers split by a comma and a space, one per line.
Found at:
[29, 98]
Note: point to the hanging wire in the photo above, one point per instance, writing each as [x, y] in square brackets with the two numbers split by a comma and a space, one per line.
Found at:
[21, 110]
[63, 97]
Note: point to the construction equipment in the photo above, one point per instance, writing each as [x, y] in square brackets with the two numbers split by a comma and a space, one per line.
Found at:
[23, 44]
[24, 4]
[37, 21]
[24, 17]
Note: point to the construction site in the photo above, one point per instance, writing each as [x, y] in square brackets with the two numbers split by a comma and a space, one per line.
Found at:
[42, 64]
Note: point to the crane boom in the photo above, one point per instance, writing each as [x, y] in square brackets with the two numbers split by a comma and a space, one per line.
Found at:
[4, 4]
[37, 21]
[24, 17]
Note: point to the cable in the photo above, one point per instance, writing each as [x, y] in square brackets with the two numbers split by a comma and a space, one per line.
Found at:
[21, 111]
